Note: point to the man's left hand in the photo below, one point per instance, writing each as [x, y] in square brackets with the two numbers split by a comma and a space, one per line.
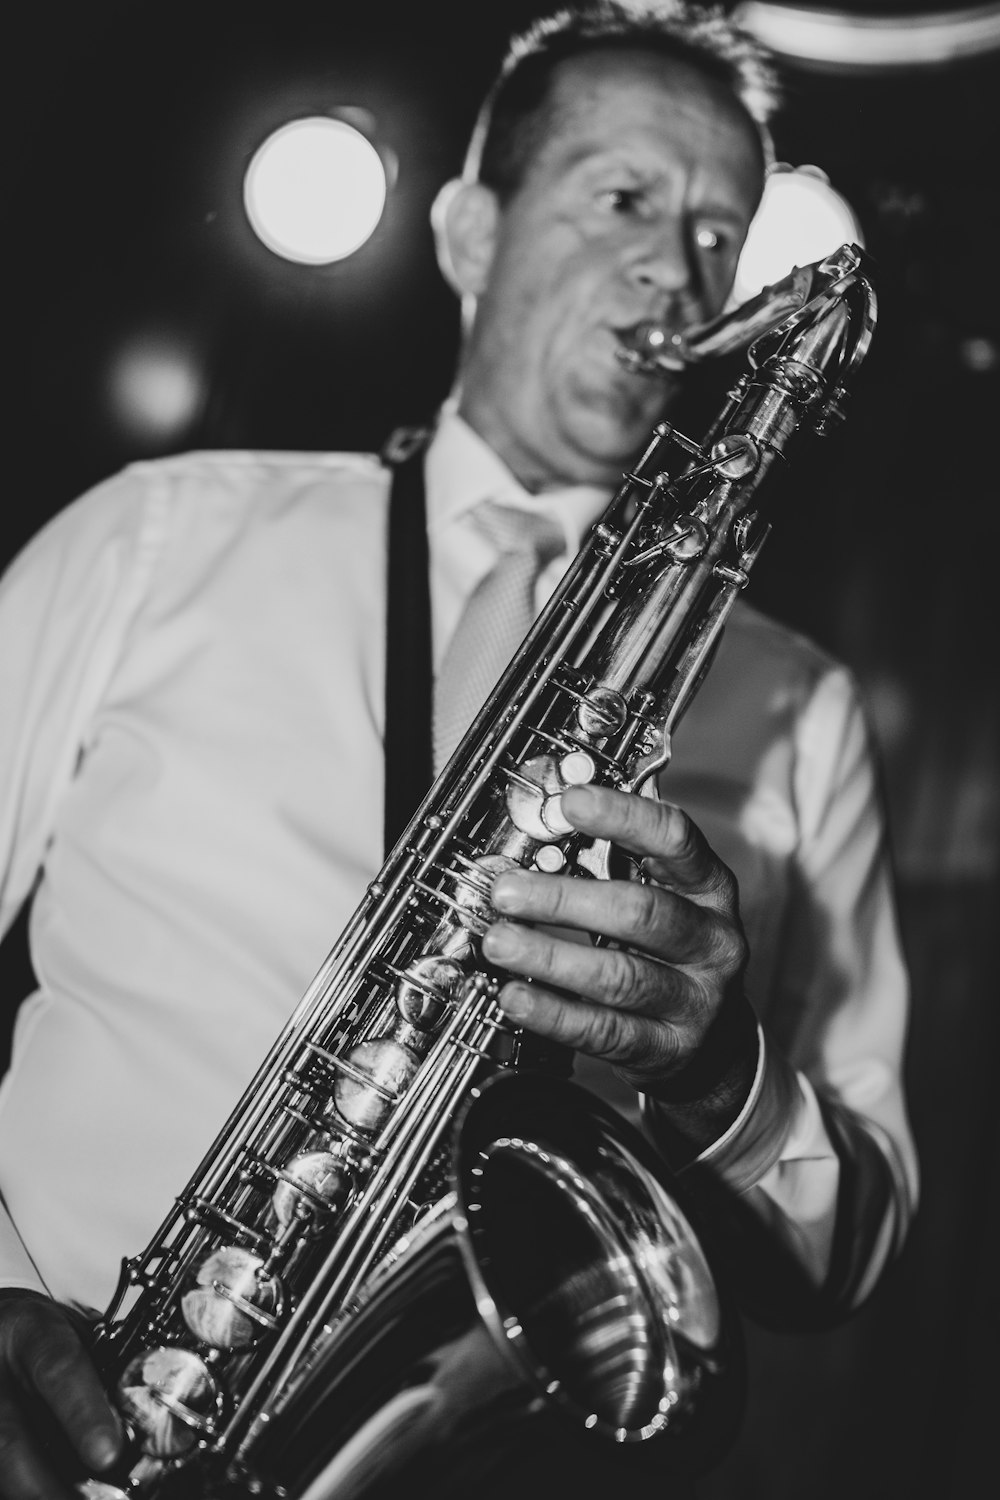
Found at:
[664, 1002]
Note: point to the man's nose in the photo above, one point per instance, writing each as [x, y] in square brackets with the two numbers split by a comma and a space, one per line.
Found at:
[664, 264]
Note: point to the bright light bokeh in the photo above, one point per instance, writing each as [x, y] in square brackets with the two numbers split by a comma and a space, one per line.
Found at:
[845, 39]
[156, 388]
[801, 219]
[315, 190]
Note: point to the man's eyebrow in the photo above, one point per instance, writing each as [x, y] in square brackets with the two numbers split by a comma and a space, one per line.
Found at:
[596, 154]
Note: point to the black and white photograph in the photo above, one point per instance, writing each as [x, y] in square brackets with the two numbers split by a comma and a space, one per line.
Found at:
[500, 750]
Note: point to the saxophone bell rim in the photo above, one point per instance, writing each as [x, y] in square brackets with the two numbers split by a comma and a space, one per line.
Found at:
[565, 1138]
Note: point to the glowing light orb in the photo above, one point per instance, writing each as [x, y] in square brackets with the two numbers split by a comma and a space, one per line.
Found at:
[801, 219]
[156, 387]
[314, 190]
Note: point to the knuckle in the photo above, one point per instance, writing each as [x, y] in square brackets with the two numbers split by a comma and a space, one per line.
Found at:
[634, 812]
[657, 1051]
[53, 1368]
[740, 944]
[640, 911]
[554, 895]
[726, 886]
[623, 980]
[601, 1036]
[540, 957]
[678, 834]
[731, 948]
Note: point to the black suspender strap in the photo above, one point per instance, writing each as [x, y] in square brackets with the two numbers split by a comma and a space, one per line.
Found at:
[409, 761]
[409, 674]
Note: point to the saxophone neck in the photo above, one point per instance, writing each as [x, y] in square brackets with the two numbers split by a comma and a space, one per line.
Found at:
[775, 309]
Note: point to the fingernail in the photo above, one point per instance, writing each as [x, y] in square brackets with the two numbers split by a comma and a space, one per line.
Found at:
[510, 891]
[583, 800]
[103, 1448]
[500, 942]
[516, 1002]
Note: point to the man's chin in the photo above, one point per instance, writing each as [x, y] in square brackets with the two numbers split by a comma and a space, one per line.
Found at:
[612, 435]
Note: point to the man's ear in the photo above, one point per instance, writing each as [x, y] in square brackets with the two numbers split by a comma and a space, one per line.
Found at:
[464, 219]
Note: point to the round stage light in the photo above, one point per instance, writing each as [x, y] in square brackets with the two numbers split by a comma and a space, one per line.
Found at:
[315, 190]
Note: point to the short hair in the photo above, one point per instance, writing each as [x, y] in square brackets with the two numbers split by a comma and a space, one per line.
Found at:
[513, 118]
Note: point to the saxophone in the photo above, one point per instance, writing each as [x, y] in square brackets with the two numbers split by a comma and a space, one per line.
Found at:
[403, 1232]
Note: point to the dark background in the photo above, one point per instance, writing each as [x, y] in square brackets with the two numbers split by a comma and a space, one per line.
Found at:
[129, 125]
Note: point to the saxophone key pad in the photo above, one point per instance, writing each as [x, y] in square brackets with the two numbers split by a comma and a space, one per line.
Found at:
[554, 818]
[310, 1187]
[602, 712]
[234, 1300]
[377, 1074]
[529, 789]
[171, 1399]
[577, 768]
[474, 891]
[426, 994]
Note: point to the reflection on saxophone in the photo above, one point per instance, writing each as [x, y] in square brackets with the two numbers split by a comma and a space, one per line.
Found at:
[399, 1233]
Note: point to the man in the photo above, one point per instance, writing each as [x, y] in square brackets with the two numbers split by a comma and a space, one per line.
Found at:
[192, 760]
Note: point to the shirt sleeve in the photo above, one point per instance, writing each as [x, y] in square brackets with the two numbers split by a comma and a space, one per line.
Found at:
[819, 1170]
[65, 604]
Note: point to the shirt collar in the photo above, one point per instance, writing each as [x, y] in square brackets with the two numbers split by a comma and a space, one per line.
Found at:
[462, 470]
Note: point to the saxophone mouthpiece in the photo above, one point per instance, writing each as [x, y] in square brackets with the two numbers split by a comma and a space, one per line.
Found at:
[651, 349]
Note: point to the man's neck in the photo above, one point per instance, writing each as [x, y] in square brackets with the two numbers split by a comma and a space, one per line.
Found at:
[535, 472]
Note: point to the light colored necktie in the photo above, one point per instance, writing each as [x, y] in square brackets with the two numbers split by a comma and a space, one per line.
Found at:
[497, 617]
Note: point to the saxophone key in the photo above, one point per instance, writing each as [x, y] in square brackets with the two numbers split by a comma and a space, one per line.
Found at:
[234, 1301]
[427, 991]
[601, 711]
[553, 817]
[736, 456]
[309, 1189]
[531, 787]
[171, 1400]
[371, 1080]
[550, 859]
[211, 1215]
[474, 884]
[578, 768]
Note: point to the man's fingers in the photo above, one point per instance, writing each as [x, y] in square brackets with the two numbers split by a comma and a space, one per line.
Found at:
[672, 848]
[50, 1386]
[614, 977]
[619, 1037]
[24, 1474]
[68, 1385]
[655, 921]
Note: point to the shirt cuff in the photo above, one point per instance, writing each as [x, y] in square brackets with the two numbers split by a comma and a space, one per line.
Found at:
[755, 1139]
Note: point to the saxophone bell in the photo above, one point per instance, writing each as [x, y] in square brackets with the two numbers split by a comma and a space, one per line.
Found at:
[506, 1312]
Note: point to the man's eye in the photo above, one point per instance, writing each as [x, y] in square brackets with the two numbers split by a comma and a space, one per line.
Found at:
[622, 200]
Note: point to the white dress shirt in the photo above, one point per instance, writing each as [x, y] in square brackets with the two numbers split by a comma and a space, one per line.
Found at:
[191, 783]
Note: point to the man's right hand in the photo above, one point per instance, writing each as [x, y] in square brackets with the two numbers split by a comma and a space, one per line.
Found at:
[53, 1409]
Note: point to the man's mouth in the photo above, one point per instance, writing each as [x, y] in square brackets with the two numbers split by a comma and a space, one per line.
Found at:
[649, 348]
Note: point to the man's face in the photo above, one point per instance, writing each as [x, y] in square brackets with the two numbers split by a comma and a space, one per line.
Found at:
[635, 207]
